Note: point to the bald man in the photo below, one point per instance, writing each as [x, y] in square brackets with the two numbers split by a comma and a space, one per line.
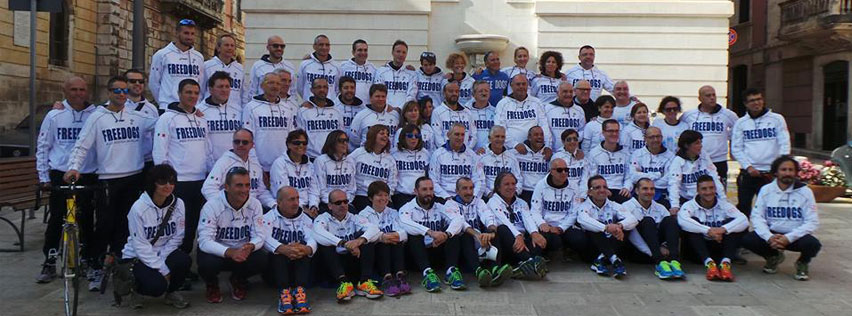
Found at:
[623, 103]
[582, 98]
[266, 64]
[56, 138]
[715, 123]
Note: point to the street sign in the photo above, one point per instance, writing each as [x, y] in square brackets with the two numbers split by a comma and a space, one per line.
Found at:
[732, 37]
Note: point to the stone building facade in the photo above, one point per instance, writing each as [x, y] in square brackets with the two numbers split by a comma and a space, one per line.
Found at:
[94, 39]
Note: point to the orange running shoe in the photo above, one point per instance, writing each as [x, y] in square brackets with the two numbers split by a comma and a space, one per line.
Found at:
[725, 272]
[712, 271]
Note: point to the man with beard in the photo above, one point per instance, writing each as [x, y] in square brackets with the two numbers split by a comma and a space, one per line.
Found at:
[318, 117]
[784, 218]
[450, 112]
[172, 64]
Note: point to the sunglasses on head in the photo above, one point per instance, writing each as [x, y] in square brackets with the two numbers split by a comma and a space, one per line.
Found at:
[186, 22]
[136, 80]
[340, 202]
[242, 142]
[278, 45]
[120, 91]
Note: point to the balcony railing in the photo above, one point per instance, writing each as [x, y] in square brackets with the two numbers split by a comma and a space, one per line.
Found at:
[824, 24]
[799, 10]
[206, 12]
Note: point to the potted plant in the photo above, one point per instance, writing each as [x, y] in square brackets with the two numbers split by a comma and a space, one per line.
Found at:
[827, 182]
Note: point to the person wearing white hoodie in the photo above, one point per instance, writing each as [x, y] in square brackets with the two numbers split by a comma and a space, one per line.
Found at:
[519, 112]
[318, 116]
[454, 160]
[375, 113]
[688, 165]
[288, 237]
[563, 114]
[156, 223]
[115, 135]
[482, 112]
[294, 169]
[172, 64]
[347, 243]
[449, 113]
[223, 117]
[533, 162]
[573, 157]
[348, 104]
[456, 64]
[182, 141]
[373, 162]
[270, 119]
[266, 64]
[760, 136]
[657, 231]
[238, 156]
[335, 169]
[652, 161]
[231, 237]
[319, 65]
[136, 100]
[633, 135]
[554, 200]
[606, 223]
[225, 61]
[712, 224]
[516, 229]
[545, 85]
[400, 81]
[784, 218]
[592, 132]
[359, 70]
[412, 162]
[389, 247]
[715, 123]
[497, 159]
[610, 160]
[430, 78]
[588, 71]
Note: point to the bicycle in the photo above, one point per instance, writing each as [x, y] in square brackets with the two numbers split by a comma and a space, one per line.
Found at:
[72, 267]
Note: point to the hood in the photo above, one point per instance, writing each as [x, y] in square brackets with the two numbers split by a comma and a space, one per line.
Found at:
[370, 106]
[447, 147]
[265, 58]
[174, 107]
[796, 185]
[550, 183]
[590, 103]
[464, 76]
[303, 160]
[715, 202]
[459, 200]
[356, 101]
[437, 71]
[263, 99]
[557, 103]
[762, 113]
[715, 109]
[209, 101]
[529, 146]
[617, 148]
[224, 196]
[491, 152]
[458, 105]
[390, 64]
[234, 157]
[314, 57]
[313, 99]
[145, 198]
[174, 48]
[298, 213]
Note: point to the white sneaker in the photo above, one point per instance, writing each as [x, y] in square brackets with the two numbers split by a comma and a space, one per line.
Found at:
[96, 280]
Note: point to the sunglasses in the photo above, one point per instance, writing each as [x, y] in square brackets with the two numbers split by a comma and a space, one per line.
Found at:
[561, 170]
[342, 140]
[186, 22]
[166, 181]
[120, 91]
[282, 46]
[340, 202]
[670, 110]
[241, 142]
[412, 135]
[299, 142]
[136, 81]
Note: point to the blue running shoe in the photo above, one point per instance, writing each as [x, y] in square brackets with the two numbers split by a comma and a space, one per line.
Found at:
[619, 270]
[599, 267]
[677, 272]
[663, 270]
[430, 281]
[455, 280]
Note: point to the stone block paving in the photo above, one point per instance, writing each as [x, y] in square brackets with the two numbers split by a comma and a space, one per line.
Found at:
[570, 289]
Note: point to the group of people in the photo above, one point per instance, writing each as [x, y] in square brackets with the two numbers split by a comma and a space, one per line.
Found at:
[358, 175]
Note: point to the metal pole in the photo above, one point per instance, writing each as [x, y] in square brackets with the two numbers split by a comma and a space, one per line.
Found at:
[139, 34]
[33, 128]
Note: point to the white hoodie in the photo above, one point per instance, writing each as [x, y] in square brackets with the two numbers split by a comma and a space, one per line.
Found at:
[118, 139]
[596, 77]
[430, 85]
[349, 111]
[694, 218]
[613, 166]
[514, 71]
[270, 122]
[387, 221]
[594, 219]
[401, 83]
[544, 88]
[791, 212]
[410, 165]
[562, 118]
[683, 176]
[592, 134]
[671, 133]
[519, 116]
[280, 230]
[143, 221]
[301, 175]
[757, 141]
[447, 166]
[146, 108]
[368, 117]
[318, 122]
[476, 214]
[183, 143]
[371, 167]
[632, 137]
[215, 181]
[443, 119]
[332, 174]
[576, 167]
[417, 220]
[222, 121]
[313, 68]
[363, 74]
[533, 165]
[493, 164]
[426, 135]
[465, 88]
[483, 120]
[56, 138]
[260, 68]
[716, 128]
[516, 216]
[170, 66]
[622, 113]
[656, 212]
[644, 164]
[329, 231]
[235, 69]
[555, 205]
[222, 226]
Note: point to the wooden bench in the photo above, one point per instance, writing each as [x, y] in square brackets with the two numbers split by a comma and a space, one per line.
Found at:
[19, 191]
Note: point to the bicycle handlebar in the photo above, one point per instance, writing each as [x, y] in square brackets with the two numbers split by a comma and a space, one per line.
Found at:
[75, 187]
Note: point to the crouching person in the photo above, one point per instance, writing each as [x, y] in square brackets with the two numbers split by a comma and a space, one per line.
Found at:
[230, 237]
[346, 248]
[157, 224]
[607, 223]
[712, 224]
[519, 240]
[657, 235]
[784, 218]
[390, 251]
[290, 243]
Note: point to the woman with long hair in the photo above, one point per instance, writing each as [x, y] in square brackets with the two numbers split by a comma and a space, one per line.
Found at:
[334, 168]
[412, 162]
[411, 115]
[633, 135]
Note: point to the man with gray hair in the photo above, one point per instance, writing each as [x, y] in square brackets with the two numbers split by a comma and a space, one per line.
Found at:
[453, 161]
[319, 65]
[623, 103]
[497, 159]
[224, 60]
[562, 114]
[270, 120]
[266, 64]
[554, 202]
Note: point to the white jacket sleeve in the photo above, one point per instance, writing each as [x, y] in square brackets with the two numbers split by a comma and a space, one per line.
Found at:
[409, 225]
[530, 221]
[411, 94]
[309, 236]
[456, 222]
[161, 140]
[321, 233]
[370, 231]
[214, 182]
[314, 191]
[569, 220]
[501, 219]
[278, 175]
[588, 222]
[43, 146]
[139, 241]
[541, 116]
[783, 136]
[674, 175]
[393, 178]
[811, 220]
[301, 78]
[207, 231]
[738, 145]
[81, 148]
[264, 195]
[687, 223]
[269, 222]
[535, 206]
[478, 179]
[628, 221]
[257, 229]
[354, 132]
[435, 174]
[471, 133]
[758, 217]
[739, 222]
[155, 75]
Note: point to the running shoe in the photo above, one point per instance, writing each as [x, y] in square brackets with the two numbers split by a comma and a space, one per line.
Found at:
[368, 288]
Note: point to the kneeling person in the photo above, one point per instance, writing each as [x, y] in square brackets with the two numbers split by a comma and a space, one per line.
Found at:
[606, 223]
[776, 229]
[230, 237]
[290, 243]
[655, 224]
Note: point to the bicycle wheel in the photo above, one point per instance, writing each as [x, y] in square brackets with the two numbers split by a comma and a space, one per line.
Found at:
[71, 269]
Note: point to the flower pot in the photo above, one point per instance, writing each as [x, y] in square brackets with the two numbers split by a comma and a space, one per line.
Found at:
[824, 194]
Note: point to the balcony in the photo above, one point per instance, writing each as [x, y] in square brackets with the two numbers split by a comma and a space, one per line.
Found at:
[825, 25]
[207, 13]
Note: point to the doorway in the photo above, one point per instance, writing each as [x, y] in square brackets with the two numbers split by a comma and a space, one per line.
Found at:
[835, 104]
